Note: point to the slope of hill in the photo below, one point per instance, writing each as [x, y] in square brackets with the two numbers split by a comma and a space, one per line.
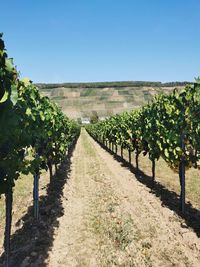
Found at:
[82, 99]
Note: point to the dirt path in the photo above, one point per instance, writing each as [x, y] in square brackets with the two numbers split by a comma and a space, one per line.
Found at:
[110, 219]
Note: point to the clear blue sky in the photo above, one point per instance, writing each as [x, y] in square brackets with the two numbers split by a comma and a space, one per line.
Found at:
[103, 40]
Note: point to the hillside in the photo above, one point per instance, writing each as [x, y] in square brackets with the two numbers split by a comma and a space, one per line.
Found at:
[81, 99]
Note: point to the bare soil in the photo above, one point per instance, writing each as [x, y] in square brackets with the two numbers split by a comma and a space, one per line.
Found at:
[111, 219]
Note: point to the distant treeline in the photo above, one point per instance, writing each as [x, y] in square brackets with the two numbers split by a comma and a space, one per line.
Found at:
[111, 84]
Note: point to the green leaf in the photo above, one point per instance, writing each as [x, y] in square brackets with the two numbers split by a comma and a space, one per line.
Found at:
[28, 111]
[166, 153]
[5, 97]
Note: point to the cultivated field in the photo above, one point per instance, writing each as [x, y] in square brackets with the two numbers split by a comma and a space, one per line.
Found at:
[102, 214]
[81, 102]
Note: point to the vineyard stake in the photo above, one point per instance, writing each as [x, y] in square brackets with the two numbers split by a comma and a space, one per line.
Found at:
[182, 175]
[8, 201]
[129, 156]
[36, 177]
[36, 196]
[122, 152]
[49, 163]
[56, 168]
[153, 170]
[136, 158]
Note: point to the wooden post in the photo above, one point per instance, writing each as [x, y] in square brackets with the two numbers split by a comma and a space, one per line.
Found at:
[36, 195]
[136, 159]
[182, 176]
[8, 202]
[49, 163]
[153, 170]
[116, 149]
[122, 152]
[129, 156]
[56, 168]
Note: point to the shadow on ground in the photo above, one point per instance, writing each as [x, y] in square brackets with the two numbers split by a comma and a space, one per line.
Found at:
[31, 243]
[169, 198]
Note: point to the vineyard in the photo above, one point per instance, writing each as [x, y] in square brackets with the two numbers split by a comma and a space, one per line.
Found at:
[102, 203]
[169, 127]
[34, 135]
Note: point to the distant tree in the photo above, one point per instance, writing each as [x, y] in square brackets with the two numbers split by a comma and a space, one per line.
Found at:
[110, 112]
[79, 120]
[94, 118]
[197, 80]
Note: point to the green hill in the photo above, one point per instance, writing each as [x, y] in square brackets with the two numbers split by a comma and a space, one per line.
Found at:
[106, 98]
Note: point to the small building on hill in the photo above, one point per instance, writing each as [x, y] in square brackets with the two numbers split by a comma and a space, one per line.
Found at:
[103, 118]
[85, 120]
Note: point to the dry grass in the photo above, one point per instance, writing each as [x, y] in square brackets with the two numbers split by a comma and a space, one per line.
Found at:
[167, 177]
[115, 230]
